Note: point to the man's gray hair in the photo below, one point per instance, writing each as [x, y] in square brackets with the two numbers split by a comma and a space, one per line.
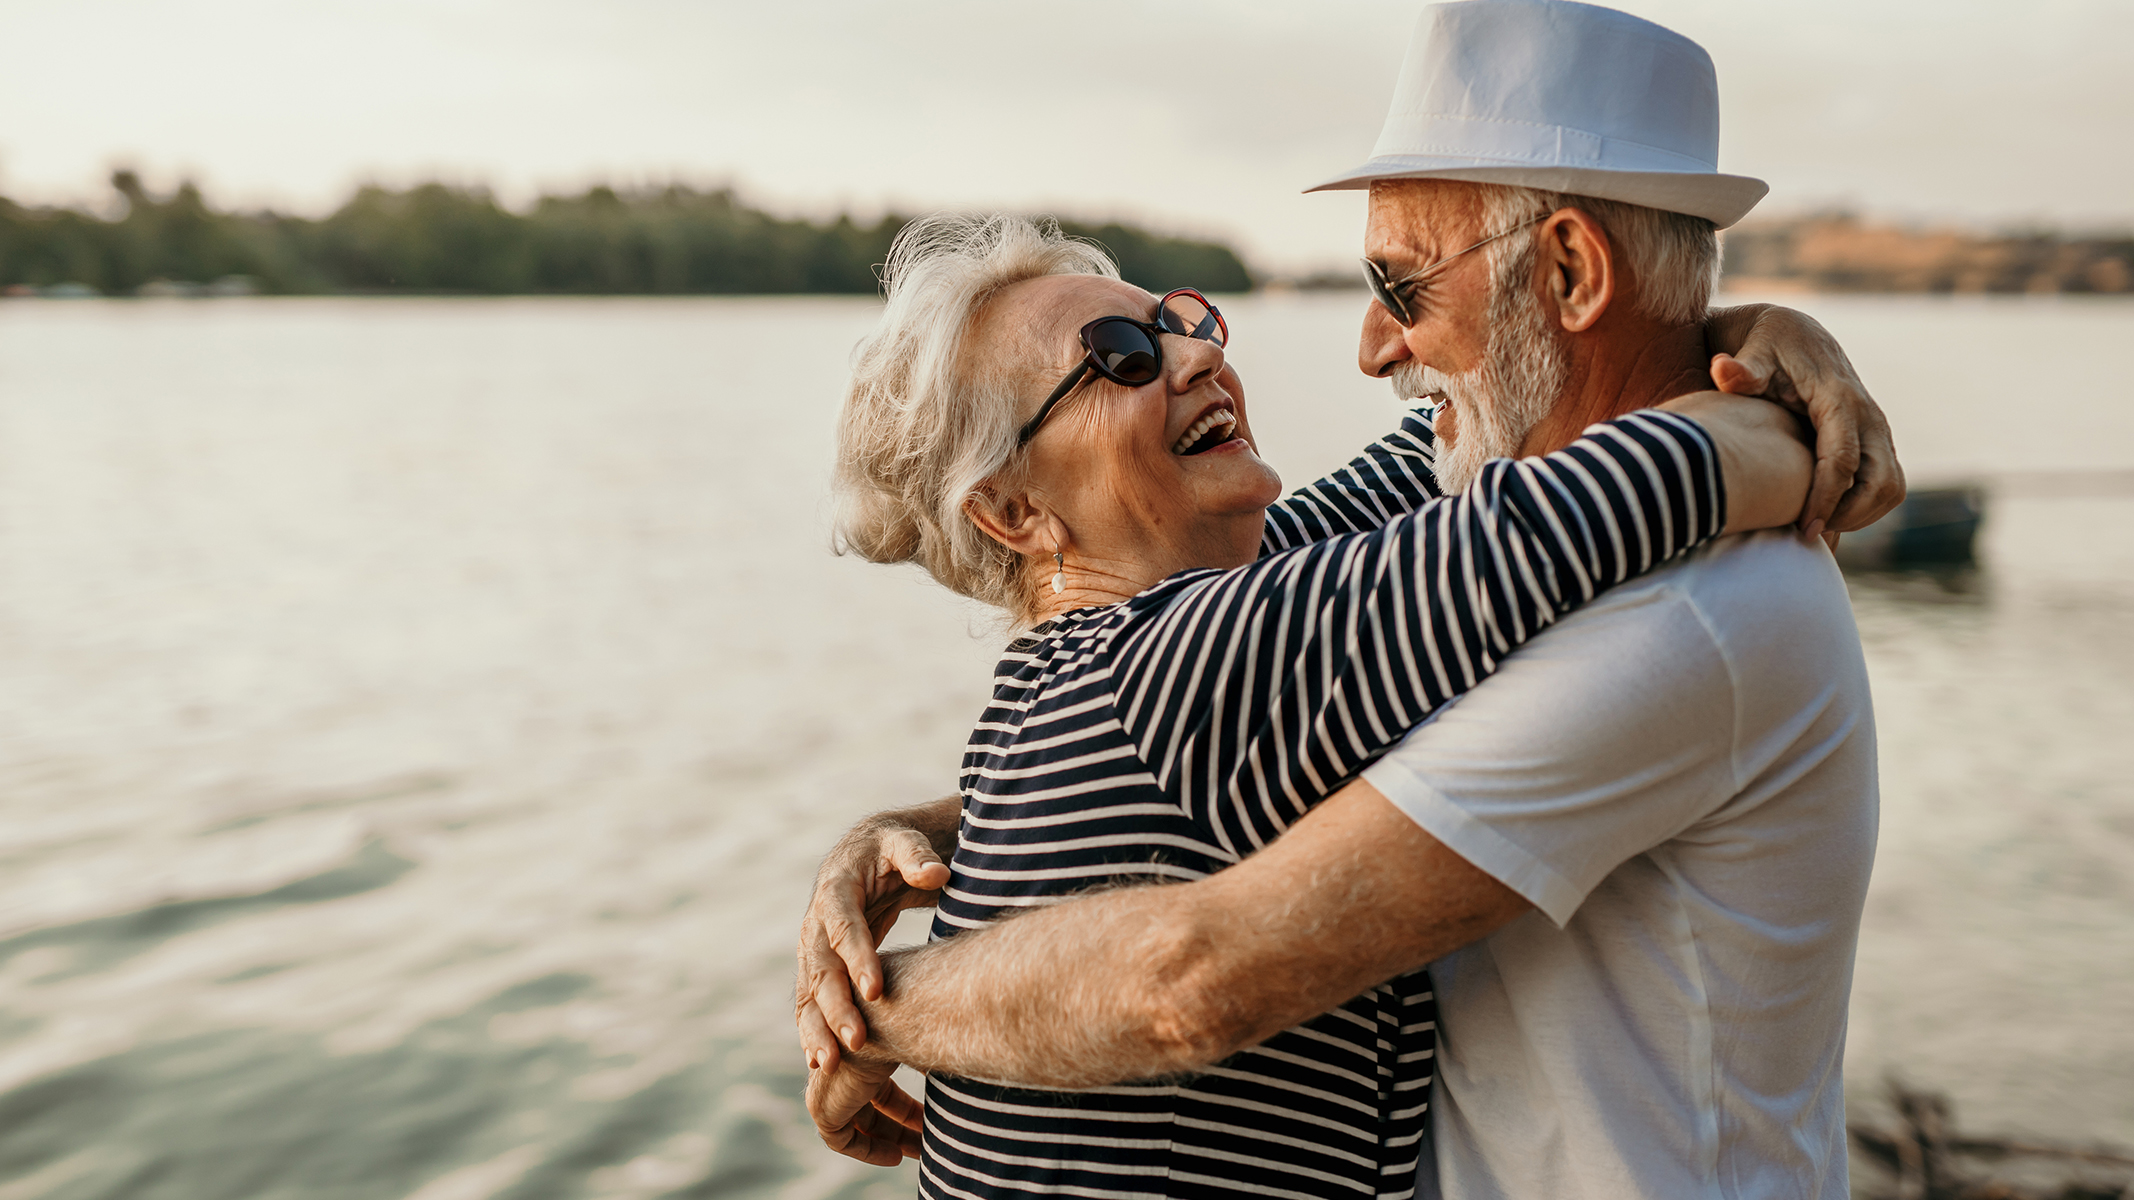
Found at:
[924, 429]
[1672, 259]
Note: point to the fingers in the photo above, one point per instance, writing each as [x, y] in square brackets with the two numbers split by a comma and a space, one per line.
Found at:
[886, 1136]
[1735, 377]
[872, 1139]
[827, 945]
[846, 1106]
[851, 938]
[1789, 358]
[1878, 486]
[833, 995]
[858, 895]
[1778, 346]
[836, 1097]
[816, 1040]
[824, 983]
[914, 858]
[899, 1106]
[1837, 460]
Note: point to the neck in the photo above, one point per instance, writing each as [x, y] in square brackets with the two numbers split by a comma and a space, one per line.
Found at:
[1619, 371]
[1130, 557]
[1088, 583]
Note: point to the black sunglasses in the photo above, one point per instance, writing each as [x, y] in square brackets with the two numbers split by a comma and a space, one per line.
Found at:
[1394, 295]
[1130, 352]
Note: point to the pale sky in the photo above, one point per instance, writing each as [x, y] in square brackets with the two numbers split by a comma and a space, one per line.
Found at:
[1191, 115]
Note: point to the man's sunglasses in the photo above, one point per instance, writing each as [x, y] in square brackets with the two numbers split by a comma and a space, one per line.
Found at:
[1396, 295]
[1130, 352]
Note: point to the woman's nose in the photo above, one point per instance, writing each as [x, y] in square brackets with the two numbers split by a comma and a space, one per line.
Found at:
[1384, 344]
[1190, 360]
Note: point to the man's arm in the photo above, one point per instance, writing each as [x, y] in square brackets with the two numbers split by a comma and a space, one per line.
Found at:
[1155, 980]
[1583, 751]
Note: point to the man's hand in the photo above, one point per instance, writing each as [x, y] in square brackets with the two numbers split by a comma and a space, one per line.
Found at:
[861, 1113]
[1788, 358]
[888, 863]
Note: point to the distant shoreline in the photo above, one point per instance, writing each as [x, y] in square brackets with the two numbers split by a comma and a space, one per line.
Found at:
[434, 239]
[438, 240]
[1840, 253]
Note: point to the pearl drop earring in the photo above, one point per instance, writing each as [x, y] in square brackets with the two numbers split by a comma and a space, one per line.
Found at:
[1059, 576]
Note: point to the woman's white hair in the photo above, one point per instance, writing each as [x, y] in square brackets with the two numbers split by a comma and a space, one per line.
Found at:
[1672, 259]
[923, 431]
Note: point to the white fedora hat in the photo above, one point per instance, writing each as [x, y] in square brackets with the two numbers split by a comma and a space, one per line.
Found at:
[1566, 97]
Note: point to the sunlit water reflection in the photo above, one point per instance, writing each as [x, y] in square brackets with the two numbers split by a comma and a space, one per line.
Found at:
[421, 719]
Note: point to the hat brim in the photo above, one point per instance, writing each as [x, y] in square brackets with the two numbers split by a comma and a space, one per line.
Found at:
[1720, 199]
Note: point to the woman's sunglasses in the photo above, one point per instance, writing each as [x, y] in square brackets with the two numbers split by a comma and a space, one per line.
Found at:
[1397, 296]
[1130, 352]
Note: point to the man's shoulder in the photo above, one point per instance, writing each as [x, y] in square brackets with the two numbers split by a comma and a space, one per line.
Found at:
[1759, 625]
[1751, 610]
[1744, 584]
[1761, 591]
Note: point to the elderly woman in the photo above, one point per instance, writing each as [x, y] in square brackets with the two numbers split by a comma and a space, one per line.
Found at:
[1203, 659]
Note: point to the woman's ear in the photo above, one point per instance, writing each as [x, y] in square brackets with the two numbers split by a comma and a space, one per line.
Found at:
[1014, 520]
[1581, 267]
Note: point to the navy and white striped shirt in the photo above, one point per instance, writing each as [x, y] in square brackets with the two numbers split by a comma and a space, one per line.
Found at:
[1171, 735]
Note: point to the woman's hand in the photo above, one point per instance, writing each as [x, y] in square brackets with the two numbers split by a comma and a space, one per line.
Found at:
[888, 863]
[861, 1113]
[1764, 459]
[1787, 358]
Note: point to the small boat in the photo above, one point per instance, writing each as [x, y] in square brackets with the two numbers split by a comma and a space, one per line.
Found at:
[1933, 527]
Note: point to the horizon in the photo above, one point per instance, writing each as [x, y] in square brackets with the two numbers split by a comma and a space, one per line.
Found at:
[858, 108]
[113, 207]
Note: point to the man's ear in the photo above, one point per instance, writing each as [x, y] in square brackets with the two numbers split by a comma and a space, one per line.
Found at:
[1580, 264]
[1014, 520]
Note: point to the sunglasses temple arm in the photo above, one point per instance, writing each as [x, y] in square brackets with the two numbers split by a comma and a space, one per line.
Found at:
[1044, 410]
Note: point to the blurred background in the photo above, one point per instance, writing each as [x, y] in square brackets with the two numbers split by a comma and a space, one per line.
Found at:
[425, 686]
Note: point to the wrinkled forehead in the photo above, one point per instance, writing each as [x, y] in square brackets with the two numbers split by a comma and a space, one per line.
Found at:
[1420, 219]
[1037, 320]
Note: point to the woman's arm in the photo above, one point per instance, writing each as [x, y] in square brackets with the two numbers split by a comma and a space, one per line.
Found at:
[1764, 456]
[1255, 692]
[1394, 475]
[1760, 350]
[1428, 608]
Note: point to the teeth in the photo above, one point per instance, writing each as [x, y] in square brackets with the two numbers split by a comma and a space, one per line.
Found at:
[1193, 433]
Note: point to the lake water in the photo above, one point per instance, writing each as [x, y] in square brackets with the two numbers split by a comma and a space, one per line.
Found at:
[419, 721]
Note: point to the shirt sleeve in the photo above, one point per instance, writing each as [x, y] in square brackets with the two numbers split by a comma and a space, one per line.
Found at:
[1596, 743]
[1253, 693]
[1393, 476]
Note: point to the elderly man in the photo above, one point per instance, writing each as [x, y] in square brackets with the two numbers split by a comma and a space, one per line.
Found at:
[1635, 858]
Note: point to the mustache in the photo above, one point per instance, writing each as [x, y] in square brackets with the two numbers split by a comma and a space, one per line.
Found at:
[1411, 381]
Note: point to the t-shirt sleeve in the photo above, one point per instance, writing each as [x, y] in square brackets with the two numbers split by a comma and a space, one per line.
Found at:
[1603, 738]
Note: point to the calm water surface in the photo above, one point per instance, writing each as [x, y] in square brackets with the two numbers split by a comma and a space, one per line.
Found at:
[420, 719]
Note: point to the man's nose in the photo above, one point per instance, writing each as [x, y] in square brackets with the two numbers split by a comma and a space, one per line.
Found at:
[1383, 345]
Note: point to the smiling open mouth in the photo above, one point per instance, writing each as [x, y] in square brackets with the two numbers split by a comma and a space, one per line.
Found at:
[1206, 434]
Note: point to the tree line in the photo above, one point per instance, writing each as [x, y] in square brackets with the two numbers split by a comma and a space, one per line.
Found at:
[436, 238]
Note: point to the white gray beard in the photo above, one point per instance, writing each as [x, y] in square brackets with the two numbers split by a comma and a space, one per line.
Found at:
[1522, 375]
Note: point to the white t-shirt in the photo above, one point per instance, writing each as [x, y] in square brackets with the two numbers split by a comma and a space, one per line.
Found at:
[1681, 778]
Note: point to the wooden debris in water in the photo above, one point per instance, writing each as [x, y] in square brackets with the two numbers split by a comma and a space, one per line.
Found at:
[1923, 1157]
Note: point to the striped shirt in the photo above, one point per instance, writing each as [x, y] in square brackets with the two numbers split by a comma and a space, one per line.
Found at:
[1169, 736]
